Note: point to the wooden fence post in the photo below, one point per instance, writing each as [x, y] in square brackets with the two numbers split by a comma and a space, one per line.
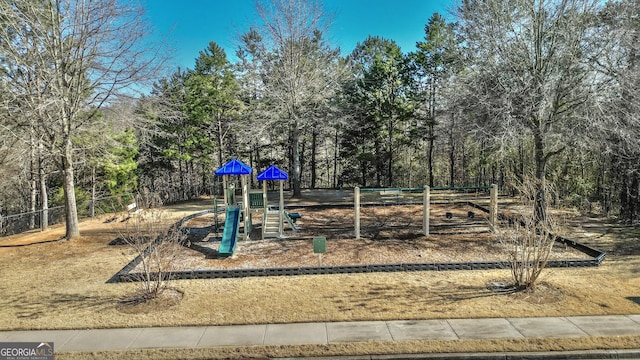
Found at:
[245, 207]
[493, 207]
[426, 210]
[356, 206]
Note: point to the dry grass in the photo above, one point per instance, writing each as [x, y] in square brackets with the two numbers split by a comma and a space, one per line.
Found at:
[63, 285]
[367, 348]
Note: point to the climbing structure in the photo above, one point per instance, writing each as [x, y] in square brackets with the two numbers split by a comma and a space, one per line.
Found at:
[237, 168]
[272, 221]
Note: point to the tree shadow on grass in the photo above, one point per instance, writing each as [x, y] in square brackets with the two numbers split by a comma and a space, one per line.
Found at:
[52, 303]
[383, 298]
[626, 247]
[62, 238]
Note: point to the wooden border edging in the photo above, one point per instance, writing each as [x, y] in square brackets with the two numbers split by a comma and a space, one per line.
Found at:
[354, 269]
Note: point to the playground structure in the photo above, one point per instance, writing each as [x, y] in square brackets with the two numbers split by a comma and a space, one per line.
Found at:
[272, 218]
[230, 233]
[398, 196]
[232, 220]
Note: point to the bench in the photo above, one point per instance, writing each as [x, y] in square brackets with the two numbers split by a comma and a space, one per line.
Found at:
[294, 216]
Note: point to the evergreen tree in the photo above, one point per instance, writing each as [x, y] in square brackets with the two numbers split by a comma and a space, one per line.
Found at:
[430, 64]
[211, 103]
[377, 93]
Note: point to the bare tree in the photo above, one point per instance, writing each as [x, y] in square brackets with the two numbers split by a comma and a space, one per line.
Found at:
[23, 110]
[619, 105]
[530, 71]
[82, 54]
[300, 70]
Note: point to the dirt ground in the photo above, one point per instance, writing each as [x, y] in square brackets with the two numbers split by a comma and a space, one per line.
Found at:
[389, 234]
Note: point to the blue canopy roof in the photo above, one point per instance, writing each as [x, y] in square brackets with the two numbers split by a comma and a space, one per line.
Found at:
[273, 173]
[234, 167]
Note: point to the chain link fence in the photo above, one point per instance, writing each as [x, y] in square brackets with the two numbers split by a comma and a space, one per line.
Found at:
[18, 223]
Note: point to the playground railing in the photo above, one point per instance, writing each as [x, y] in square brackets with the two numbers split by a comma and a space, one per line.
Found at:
[460, 194]
[419, 196]
[391, 196]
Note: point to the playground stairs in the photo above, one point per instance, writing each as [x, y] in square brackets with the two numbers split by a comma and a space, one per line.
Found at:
[271, 225]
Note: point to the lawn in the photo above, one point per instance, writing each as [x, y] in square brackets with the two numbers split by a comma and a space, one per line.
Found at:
[64, 285]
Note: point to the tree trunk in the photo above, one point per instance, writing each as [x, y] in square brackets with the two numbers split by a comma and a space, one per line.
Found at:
[182, 171]
[295, 154]
[92, 205]
[257, 157]
[633, 197]
[430, 154]
[452, 153]
[71, 210]
[193, 192]
[624, 197]
[432, 120]
[541, 164]
[203, 182]
[390, 151]
[314, 138]
[44, 198]
[220, 140]
[379, 163]
[520, 172]
[463, 163]
[335, 159]
[303, 154]
[33, 189]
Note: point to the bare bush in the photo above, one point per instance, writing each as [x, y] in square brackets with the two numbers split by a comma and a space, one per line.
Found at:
[528, 240]
[155, 261]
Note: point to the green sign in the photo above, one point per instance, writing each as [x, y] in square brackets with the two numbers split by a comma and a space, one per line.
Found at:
[320, 245]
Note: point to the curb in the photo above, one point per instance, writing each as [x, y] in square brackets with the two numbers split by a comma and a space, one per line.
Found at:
[547, 355]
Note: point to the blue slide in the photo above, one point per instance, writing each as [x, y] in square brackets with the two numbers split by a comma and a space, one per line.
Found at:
[230, 233]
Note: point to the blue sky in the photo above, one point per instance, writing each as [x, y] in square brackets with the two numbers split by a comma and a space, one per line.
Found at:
[189, 25]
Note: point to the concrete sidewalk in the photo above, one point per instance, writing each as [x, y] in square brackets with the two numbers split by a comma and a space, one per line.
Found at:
[327, 333]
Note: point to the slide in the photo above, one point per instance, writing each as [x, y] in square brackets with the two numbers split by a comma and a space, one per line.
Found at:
[230, 233]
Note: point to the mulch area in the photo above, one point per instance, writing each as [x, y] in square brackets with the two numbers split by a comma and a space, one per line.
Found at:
[389, 234]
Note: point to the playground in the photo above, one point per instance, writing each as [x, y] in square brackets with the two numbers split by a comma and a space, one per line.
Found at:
[363, 230]
[390, 235]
